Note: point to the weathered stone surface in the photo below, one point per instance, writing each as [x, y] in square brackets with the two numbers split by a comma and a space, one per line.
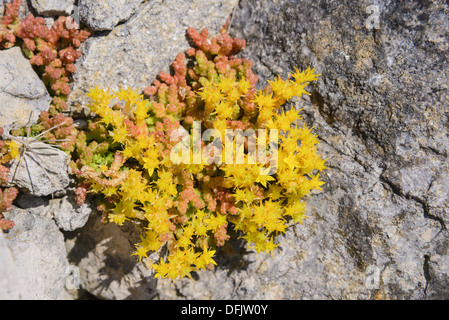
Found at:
[438, 266]
[9, 284]
[379, 228]
[106, 14]
[135, 52]
[42, 171]
[108, 270]
[22, 93]
[53, 7]
[37, 260]
[34, 204]
[66, 213]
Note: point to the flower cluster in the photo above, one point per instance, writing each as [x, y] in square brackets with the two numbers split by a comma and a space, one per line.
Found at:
[189, 206]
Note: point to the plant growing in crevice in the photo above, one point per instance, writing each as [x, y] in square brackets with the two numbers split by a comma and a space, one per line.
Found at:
[188, 206]
[52, 51]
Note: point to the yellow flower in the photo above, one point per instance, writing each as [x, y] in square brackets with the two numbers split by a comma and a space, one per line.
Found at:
[233, 95]
[119, 134]
[129, 96]
[117, 218]
[13, 149]
[221, 125]
[305, 76]
[150, 160]
[141, 111]
[226, 84]
[141, 252]
[286, 118]
[265, 101]
[161, 269]
[201, 230]
[99, 97]
[281, 88]
[224, 110]
[264, 179]
[275, 192]
[205, 258]
[244, 86]
[214, 222]
[291, 161]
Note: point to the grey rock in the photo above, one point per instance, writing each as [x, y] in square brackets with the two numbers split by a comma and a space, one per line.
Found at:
[379, 228]
[37, 259]
[22, 93]
[68, 215]
[106, 14]
[133, 53]
[108, 270]
[49, 22]
[42, 171]
[34, 204]
[438, 266]
[9, 284]
[53, 7]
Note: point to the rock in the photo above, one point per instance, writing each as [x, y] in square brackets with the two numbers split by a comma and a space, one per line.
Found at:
[438, 277]
[108, 270]
[68, 215]
[9, 284]
[49, 8]
[379, 228]
[106, 14]
[36, 259]
[22, 93]
[34, 204]
[135, 52]
[42, 171]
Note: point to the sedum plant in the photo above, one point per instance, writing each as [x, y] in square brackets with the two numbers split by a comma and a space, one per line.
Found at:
[52, 51]
[188, 202]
